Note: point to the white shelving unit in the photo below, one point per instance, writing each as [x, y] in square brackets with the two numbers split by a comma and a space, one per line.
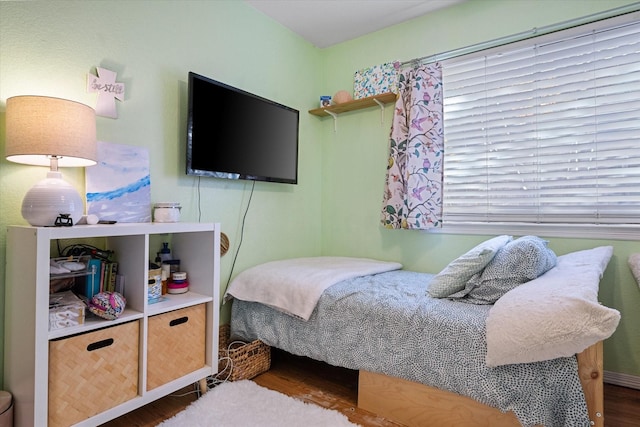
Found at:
[27, 335]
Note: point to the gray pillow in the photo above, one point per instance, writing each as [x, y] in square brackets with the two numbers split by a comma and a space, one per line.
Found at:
[455, 276]
[518, 262]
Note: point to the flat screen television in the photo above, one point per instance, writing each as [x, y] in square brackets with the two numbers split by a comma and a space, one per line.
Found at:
[234, 134]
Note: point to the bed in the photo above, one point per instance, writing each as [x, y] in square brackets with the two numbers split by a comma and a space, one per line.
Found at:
[461, 357]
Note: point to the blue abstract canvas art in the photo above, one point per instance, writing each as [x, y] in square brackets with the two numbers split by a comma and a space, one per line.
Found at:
[119, 185]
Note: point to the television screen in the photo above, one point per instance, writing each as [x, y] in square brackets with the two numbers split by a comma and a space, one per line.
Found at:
[234, 134]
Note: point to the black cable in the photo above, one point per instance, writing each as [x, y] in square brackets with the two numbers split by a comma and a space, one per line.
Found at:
[199, 206]
[77, 250]
[244, 217]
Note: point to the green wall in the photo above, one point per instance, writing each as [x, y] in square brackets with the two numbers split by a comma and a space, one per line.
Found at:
[48, 48]
[355, 156]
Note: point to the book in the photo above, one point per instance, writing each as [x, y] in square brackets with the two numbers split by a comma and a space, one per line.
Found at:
[93, 279]
[110, 279]
[103, 265]
[120, 284]
[89, 284]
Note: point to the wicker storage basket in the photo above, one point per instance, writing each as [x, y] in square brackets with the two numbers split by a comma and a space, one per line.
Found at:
[247, 359]
[92, 372]
[176, 344]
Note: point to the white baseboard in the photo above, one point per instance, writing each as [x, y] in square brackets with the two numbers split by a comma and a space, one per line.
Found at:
[625, 380]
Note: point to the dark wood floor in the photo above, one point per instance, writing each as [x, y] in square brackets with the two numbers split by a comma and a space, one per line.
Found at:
[336, 388]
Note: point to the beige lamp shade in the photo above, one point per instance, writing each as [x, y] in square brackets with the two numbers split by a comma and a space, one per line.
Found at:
[39, 127]
[52, 132]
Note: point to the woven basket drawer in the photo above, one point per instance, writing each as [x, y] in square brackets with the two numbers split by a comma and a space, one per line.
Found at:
[176, 344]
[92, 372]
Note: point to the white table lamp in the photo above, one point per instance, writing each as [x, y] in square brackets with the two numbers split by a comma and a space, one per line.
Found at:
[52, 132]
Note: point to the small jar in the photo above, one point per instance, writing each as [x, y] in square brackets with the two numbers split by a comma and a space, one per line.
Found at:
[172, 265]
[178, 276]
[165, 278]
[166, 212]
[178, 284]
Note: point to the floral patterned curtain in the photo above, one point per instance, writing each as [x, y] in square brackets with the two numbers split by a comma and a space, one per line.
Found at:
[413, 187]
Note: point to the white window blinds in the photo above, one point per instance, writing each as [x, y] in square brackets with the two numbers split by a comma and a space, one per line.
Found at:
[545, 133]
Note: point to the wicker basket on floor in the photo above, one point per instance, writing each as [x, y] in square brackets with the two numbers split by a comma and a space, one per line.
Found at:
[247, 359]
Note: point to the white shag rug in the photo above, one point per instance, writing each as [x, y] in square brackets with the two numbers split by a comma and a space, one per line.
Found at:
[245, 403]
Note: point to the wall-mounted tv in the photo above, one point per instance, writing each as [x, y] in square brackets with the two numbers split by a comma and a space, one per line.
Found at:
[234, 134]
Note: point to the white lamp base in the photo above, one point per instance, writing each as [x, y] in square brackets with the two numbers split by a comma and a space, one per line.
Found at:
[49, 199]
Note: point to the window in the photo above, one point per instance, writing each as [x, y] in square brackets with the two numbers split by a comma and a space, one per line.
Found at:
[545, 131]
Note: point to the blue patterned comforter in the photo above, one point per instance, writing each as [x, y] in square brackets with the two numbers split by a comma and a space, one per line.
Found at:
[386, 323]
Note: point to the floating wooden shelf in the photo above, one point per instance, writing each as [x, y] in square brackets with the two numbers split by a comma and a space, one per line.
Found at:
[357, 104]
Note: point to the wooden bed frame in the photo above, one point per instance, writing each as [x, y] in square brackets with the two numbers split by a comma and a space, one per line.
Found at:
[414, 404]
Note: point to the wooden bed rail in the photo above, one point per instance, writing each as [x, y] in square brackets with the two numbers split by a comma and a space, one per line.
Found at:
[591, 371]
[414, 404]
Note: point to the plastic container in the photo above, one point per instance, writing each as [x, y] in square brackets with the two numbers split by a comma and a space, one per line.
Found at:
[178, 284]
[166, 212]
[177, 288]
[179, 276]
[165, 277]
[165, 252]
[174, 265]
[154, 286]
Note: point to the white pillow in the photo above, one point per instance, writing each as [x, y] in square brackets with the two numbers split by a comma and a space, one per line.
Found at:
[555, 315]
[454, 277]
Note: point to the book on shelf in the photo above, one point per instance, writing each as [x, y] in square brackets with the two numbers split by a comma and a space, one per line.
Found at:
[103, 267]
[89, 284]
[101, 276]
[110, 276]
[108, 273]
[93, 279]
[120, 284]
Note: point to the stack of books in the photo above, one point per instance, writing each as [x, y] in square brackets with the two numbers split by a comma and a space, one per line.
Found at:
[102, 277]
